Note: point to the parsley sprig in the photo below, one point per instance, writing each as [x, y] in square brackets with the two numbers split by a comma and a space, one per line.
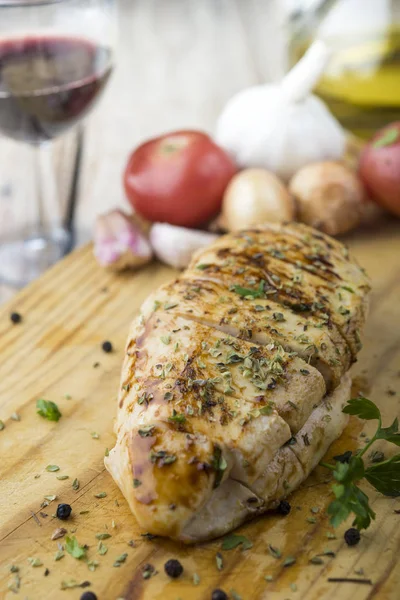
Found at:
[349, 469]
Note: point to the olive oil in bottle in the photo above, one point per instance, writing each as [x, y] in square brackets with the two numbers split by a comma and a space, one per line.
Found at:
[361, 84]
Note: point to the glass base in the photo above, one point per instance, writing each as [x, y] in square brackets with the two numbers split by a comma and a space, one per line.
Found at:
[23, 258]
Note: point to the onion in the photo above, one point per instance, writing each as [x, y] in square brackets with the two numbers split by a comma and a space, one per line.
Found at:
[253, 197]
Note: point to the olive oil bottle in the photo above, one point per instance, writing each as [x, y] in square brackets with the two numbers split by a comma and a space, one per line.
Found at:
[361, 84]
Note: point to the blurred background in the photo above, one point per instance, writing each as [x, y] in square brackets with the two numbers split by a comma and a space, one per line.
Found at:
[177, 63]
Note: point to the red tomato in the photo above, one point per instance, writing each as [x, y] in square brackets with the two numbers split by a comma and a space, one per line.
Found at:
[178, 178]
[380, 167]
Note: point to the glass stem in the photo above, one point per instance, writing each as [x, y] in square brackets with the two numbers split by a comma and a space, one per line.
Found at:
[47, 203]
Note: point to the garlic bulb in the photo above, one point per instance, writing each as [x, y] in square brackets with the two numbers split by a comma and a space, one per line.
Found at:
[175, 246]
[282, 127]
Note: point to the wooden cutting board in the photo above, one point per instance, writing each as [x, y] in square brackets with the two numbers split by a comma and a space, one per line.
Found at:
[55, 353]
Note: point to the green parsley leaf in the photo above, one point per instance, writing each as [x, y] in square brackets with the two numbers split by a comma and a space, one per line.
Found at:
[59, 555]
[202, 266]
[390, 434]
[289, 561]
[101, 495]
[52, 468]
[233, 541]
[363, 408]
[385, 476]
[196, 579]
[35, 562]
[250, 293]
[48, 410]
[92, 565]
[73, 547]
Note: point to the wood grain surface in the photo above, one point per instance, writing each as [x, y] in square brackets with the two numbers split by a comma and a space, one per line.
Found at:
[55, 353]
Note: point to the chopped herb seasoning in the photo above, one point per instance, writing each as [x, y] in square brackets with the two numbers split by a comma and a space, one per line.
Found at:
[311, 520]
[62, 477]
[95, 435]
[75, 485]
[196, 579]
[101, 495]
[15, 417]
[103, 536]
[136, 483]
[50, 498]
[120, 559]
[48, 410]
[176, 417]
[233, 541]
[331, 536]
[376, 456]
[235, 595]
[106, 452]
[202, 266]
[289, 560]
[268, 578]
[102, 549]
[168, 396]
[146, 431]
[35, 562]
[173, 568]
[219, 561]
[278, 316]
[67, 585]
[316, 560]
[107, 347]
[2, 426]
[59, 555]
[293, 587]
[148, 571]
[304, 371]
[169, 305]
[92, 565]
[275, 552]
[52, 468]
[315, 509]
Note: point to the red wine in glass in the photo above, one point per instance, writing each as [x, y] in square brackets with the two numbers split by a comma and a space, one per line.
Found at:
[48, 83]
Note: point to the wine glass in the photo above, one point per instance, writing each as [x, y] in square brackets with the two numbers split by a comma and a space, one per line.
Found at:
[56, 57]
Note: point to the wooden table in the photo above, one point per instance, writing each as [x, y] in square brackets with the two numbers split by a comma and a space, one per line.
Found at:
[55, 353]
[177, 63]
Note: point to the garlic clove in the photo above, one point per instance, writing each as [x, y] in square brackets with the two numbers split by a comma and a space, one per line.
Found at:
[175, 246]
[119, 242]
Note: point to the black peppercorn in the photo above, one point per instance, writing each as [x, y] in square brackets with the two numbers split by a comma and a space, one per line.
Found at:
[107, 347]
[283, 508]
[63, 511]
[219, 595]
[173, 568]
[352, 536]
[15, 318]
[88, 596]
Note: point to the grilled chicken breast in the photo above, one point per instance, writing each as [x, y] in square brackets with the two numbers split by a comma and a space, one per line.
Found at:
[234, 380]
